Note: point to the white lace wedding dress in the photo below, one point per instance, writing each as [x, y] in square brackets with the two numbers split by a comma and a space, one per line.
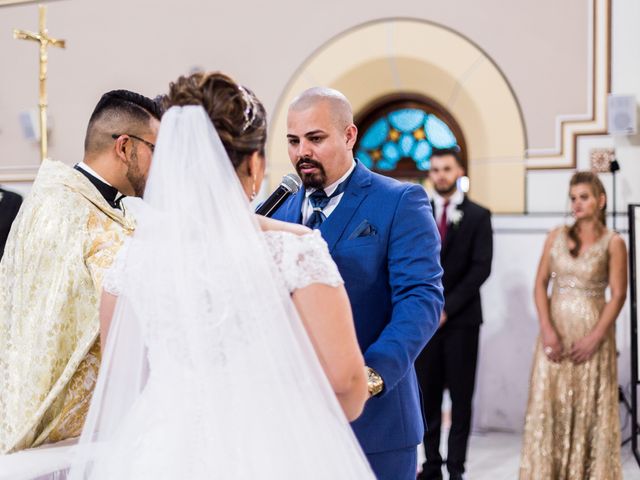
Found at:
[178, 430]
[298, 261]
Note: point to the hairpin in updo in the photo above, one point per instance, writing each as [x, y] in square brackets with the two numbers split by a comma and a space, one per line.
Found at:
[250, 108]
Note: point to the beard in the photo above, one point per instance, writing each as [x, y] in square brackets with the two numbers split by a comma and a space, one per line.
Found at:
[312, 180]
[447, 189]
[135, 176]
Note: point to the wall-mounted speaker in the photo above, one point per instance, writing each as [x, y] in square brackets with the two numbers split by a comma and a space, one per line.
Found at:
[30, 123]
[30, 126]
[622, 117]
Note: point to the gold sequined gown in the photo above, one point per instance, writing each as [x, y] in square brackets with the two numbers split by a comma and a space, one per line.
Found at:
[572, 429]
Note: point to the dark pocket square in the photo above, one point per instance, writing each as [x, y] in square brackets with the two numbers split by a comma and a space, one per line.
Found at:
[365, 229]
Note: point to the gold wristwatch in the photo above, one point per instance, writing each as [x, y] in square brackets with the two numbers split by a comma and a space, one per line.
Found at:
[375, 384]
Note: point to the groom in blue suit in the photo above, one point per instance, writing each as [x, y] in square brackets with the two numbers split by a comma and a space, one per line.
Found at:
[382, 235]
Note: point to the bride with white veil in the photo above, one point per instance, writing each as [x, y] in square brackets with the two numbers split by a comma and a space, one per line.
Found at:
[208, 370]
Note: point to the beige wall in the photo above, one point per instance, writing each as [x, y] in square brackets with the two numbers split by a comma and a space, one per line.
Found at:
[142, 45]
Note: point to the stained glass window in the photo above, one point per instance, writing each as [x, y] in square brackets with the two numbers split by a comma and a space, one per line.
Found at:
[398, 135]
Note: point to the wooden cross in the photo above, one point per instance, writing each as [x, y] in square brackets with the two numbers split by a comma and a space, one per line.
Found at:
[45, 41]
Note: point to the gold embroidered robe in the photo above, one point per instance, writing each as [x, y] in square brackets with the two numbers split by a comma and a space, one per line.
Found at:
[63, 239]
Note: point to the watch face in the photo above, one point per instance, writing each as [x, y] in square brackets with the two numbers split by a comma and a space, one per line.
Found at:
[375, 383]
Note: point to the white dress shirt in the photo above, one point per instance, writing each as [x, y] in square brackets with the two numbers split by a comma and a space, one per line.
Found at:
[438, 203]
[307, 208]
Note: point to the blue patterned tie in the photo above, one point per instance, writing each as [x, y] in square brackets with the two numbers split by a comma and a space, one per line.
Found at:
[319, 200]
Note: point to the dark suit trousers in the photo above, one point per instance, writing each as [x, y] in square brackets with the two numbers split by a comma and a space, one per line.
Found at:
[448, 361]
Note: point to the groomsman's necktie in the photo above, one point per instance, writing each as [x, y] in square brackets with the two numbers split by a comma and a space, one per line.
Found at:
[319, 200]
[442, 225]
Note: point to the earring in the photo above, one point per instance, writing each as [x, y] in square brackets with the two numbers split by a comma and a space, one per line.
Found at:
[253, 189]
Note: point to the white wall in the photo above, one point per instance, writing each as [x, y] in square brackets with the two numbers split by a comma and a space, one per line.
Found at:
[510, 330]
[22, 188]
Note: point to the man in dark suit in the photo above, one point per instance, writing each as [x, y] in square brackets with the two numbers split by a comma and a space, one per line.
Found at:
[9, 205]
[449, 360]
[382, 235]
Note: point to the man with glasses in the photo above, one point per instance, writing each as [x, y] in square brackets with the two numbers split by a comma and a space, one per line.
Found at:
[65, 236]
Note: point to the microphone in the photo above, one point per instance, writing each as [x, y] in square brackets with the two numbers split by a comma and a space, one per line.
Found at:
[290, 184]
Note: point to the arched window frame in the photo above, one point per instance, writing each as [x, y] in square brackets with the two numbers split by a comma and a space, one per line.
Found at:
[406, 167]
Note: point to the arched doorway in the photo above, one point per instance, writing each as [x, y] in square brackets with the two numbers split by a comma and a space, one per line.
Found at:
[391, 56]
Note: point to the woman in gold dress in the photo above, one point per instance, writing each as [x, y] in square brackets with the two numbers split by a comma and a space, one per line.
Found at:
[572, 429]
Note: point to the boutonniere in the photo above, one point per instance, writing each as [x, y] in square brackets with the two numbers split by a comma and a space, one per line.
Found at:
[456, 217]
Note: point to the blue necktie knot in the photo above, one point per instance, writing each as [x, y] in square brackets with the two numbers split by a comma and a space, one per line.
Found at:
[319, 201]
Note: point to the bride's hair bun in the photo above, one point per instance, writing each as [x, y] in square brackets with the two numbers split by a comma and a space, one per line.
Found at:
[239, 117]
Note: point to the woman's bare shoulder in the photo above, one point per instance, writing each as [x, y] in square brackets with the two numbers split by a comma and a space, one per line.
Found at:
[553, 234]
[269, 224]
[617, 243]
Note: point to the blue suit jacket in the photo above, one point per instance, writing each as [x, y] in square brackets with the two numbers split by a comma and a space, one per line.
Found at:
[384, 239]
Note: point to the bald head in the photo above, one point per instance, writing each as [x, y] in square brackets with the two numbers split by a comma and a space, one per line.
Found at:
[339, 107]
[321, 136]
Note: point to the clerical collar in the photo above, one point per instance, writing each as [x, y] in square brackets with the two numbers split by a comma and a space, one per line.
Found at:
[108, 191]
[92, 172]
[329, 189]
[456, 199]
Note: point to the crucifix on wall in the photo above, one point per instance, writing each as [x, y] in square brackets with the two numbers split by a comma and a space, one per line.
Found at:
[45, 41]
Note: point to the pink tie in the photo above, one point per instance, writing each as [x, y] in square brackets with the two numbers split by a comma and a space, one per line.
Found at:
[442, 225]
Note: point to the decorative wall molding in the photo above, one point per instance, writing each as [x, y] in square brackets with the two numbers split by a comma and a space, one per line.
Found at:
[9, 3]
[21, 173]
[570, 127]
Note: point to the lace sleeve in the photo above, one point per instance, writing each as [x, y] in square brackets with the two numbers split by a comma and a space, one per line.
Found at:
[113, 277]
[303, 259]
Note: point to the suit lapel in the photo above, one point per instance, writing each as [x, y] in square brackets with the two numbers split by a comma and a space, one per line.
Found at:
[452, 229]
[357, 190]
[293, 212]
